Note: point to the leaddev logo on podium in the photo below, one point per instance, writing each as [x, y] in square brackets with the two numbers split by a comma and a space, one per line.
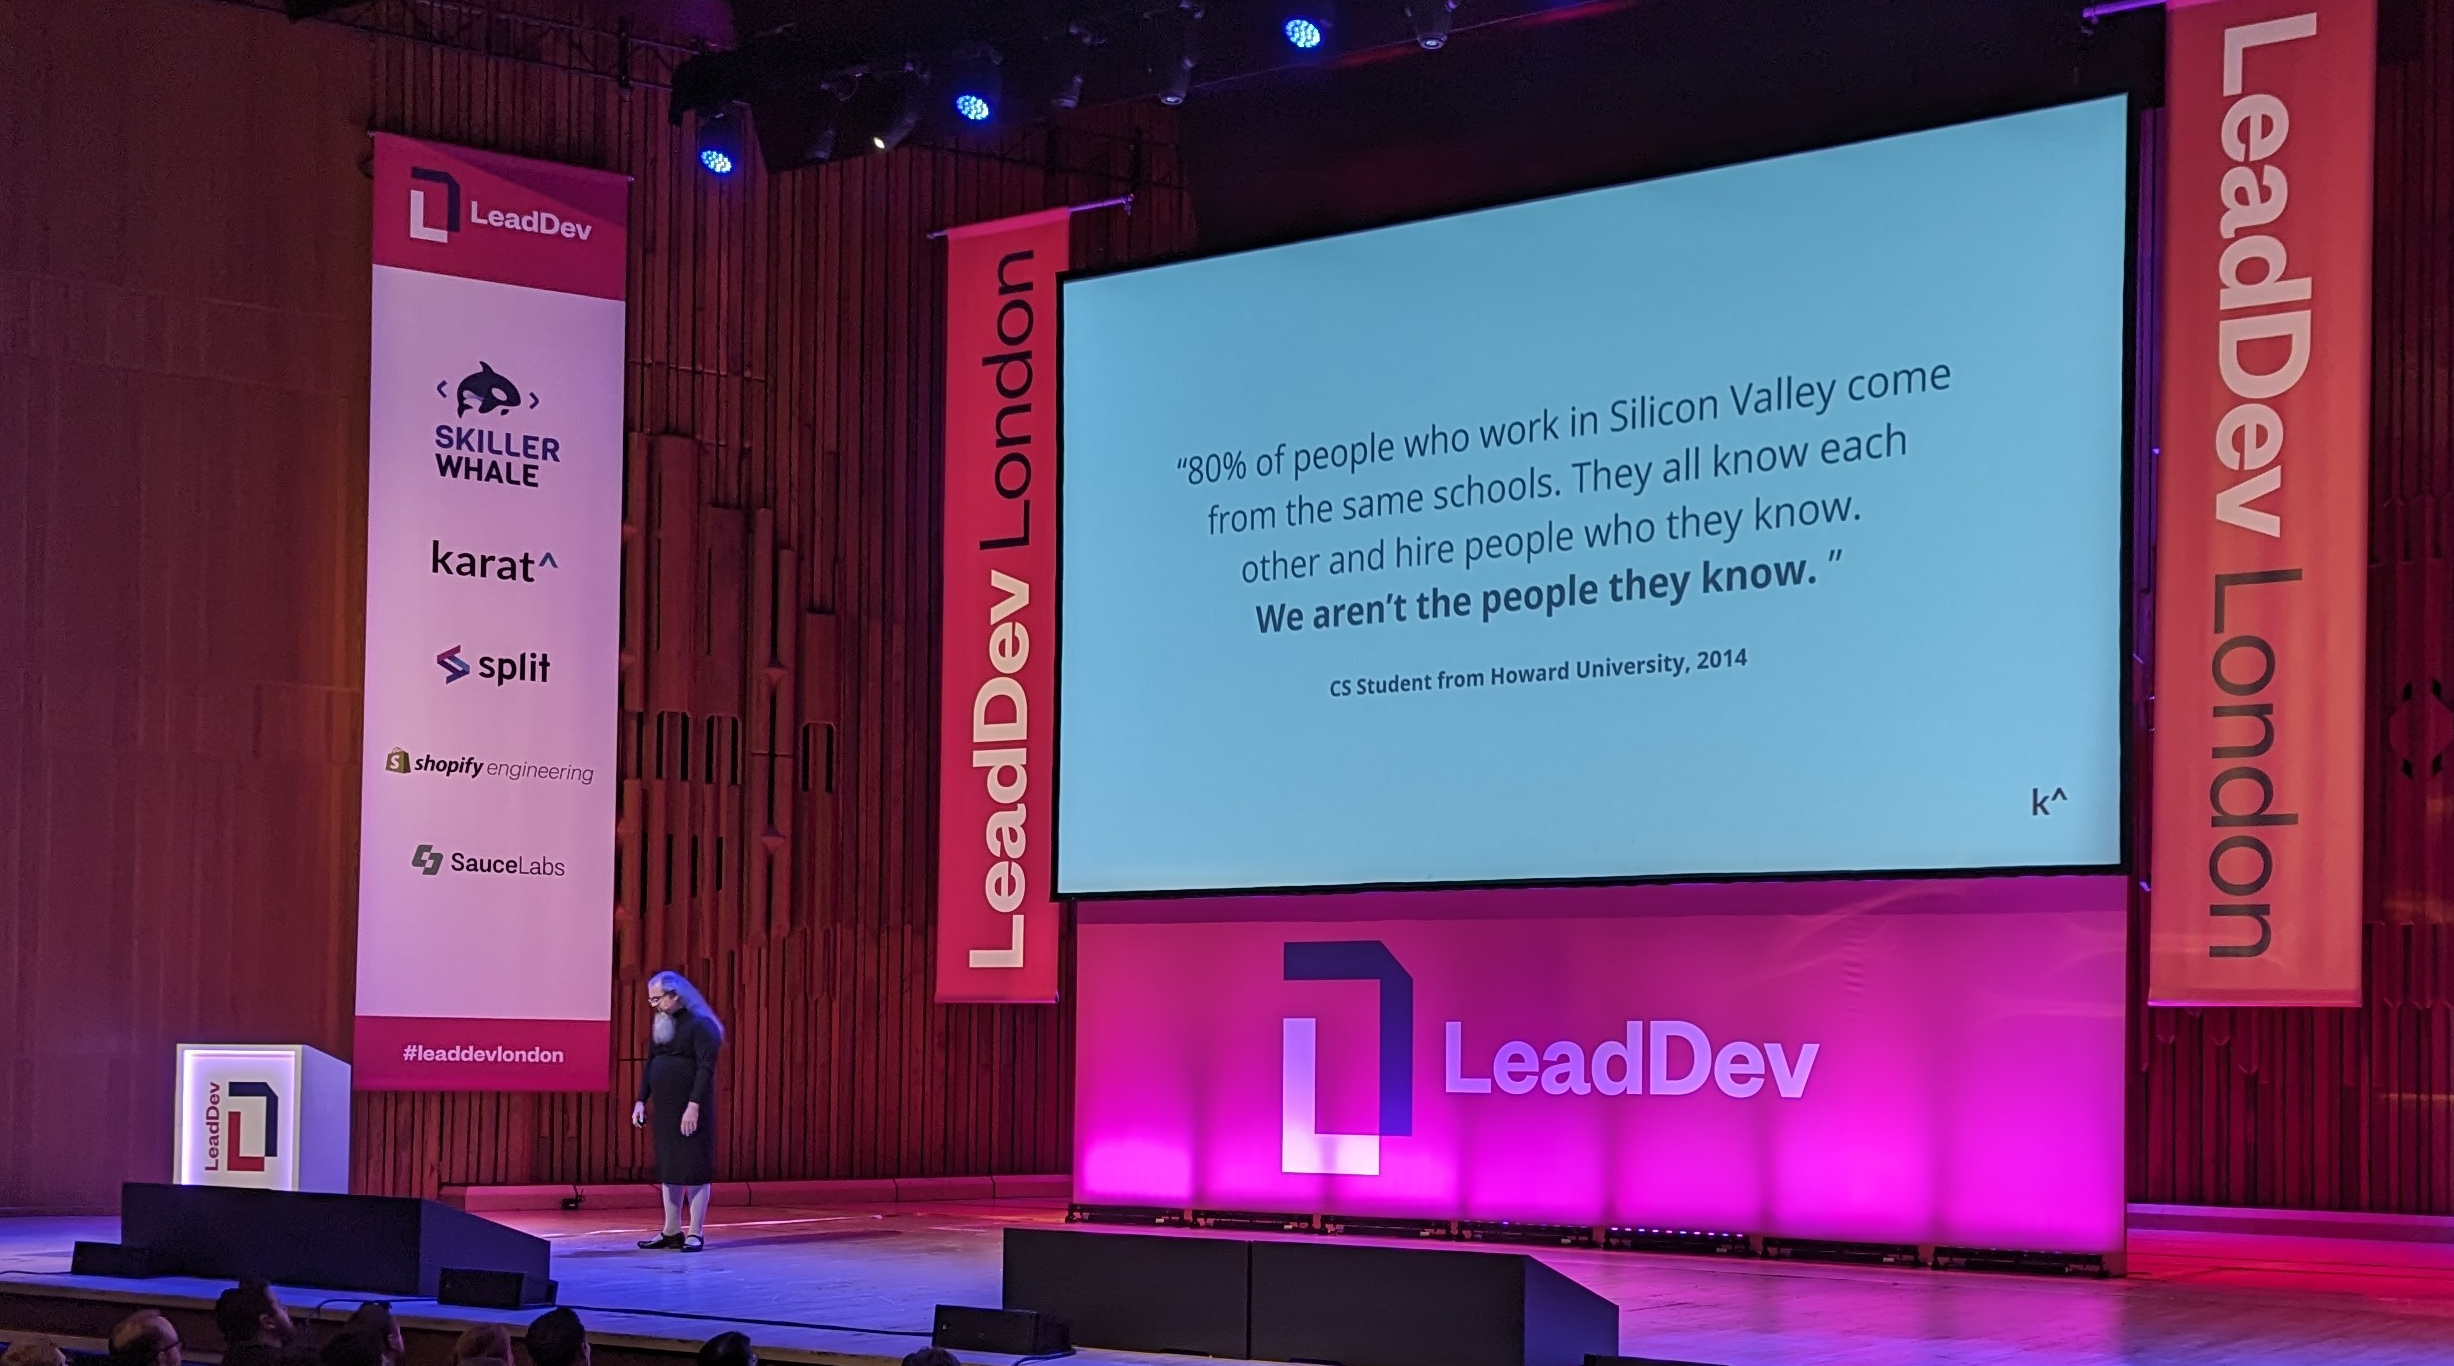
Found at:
[244, 1114]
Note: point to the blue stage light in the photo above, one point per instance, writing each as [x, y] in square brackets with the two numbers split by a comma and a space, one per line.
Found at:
[972, 107]
[1304, 33]
[721, 139]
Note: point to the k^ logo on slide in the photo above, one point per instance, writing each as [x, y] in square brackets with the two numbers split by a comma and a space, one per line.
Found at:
[1303, 1148]
[454, 667]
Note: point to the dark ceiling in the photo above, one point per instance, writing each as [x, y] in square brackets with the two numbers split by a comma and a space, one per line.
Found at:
[1528, 96]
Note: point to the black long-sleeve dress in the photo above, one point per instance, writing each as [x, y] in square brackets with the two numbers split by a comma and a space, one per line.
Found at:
[678, 1073]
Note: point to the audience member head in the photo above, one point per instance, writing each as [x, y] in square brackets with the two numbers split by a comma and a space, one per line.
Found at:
[144, 1338]
[370, 1330]
[932, 1356]
[352, 1349]
[558, 1339]
[34, 1352]
[728, 1349]
[484, 1343]
[251, 1312]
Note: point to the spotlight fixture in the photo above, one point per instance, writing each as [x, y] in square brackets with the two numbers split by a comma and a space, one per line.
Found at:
[911, 90]
[1431, 20]
[720, 141]
[825, 112]
[1302, 33]
[1178, 77]
[978, 84]
[1073, 60]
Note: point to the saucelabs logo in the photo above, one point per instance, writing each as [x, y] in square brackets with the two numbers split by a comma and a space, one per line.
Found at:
[1654, 1058]
[430, 862]
[242, 1126]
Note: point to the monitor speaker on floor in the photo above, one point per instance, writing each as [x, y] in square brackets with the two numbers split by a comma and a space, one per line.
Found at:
[110, 1259]
[492, 1289]
[1008, 1332]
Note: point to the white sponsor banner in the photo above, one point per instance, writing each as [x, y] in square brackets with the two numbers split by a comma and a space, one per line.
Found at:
[493, 600]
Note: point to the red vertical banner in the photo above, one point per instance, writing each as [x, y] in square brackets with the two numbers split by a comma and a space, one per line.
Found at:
[996, 916]
[2261, 537]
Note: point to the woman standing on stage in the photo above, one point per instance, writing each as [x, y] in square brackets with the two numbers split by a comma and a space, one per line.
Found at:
[679, 1085]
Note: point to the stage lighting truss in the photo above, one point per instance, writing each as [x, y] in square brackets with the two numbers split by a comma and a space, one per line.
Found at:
[834, 108]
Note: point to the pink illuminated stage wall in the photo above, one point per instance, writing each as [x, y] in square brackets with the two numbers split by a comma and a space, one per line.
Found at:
[1930, 1061]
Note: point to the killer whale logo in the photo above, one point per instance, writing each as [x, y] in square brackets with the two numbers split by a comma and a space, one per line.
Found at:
[492, 390]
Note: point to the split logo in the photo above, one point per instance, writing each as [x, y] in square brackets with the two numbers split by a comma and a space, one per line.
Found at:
[528, 666]
[227, 1132]
[1303, 1149]
[420, 226]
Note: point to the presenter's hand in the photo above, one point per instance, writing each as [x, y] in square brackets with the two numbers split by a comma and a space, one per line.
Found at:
[639, 1113]
[690, 1119]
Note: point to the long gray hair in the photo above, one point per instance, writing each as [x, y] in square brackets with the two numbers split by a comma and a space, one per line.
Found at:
[692, 1001]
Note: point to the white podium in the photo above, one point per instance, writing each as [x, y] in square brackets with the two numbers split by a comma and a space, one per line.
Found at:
[261, 1116]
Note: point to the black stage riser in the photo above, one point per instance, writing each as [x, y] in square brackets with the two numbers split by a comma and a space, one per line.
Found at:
[384, 1244]
[1307, 1301]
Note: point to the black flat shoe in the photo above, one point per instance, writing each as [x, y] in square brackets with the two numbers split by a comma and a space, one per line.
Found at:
[661, 1241]
[692, 1242]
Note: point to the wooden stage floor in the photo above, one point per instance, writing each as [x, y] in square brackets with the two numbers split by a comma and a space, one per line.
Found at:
[2273, 1296]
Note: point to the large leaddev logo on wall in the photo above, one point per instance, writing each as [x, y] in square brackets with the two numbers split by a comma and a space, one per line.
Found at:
[494, 505]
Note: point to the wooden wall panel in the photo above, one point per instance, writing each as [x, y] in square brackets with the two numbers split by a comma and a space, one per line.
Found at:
[182, 530]
[183, 223]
